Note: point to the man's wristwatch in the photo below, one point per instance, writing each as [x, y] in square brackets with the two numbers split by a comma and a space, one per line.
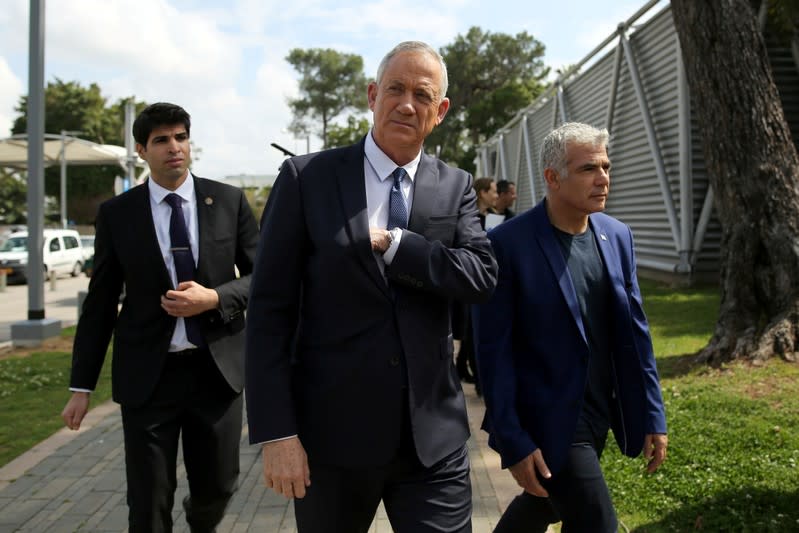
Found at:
[392, 235]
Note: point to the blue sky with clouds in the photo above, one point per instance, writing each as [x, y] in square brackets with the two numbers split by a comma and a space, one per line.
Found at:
[224, 61]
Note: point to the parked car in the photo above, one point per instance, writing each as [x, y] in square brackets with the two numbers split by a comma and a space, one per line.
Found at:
[62, 254]
[87, 243]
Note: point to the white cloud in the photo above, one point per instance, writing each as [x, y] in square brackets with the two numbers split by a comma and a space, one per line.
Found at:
[250, 122]
[10, 91]
[167, 42]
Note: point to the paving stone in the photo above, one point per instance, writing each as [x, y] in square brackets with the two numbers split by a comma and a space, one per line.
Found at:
[53, 489]
[22, 485]
[19, 513]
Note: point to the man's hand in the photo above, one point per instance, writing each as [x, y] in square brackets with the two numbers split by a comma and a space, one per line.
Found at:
[524, 472]
[381, 239]
[189, 299]
[75, 410]
[655, 445]
[286, 467]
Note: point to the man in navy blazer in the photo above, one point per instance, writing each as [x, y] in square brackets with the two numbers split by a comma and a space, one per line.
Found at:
[563, 346]
[173, 379]
[350, 381]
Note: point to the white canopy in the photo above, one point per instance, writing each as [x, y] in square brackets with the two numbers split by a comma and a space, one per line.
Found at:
[14, 152]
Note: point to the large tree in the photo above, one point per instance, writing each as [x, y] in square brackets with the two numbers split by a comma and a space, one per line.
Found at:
[331, 82]
[73, 107]
[13, 198]
[753, 168]
[349, 133]
[491, 77]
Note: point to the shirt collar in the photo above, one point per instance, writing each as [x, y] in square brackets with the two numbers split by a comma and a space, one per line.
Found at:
[185, 191]
[383, 165]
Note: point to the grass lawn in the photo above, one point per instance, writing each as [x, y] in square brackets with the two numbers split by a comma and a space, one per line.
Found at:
[733, 441]
[33, 390]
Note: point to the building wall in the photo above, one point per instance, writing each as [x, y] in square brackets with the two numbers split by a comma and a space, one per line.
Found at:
[663, 207]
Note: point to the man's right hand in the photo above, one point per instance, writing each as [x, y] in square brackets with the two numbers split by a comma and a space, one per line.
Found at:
[524, 472]
[286, 467]
[75, 410]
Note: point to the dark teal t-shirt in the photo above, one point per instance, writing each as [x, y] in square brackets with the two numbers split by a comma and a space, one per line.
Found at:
[592, 287]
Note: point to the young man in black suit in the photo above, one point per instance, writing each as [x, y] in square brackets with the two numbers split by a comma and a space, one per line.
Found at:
[174, 243]
[350, 380]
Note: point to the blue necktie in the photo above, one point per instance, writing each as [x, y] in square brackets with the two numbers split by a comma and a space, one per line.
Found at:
[184, 260]
[397, 208]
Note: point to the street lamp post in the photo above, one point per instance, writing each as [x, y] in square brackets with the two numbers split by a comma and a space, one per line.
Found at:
[64, 134]
[36, 328]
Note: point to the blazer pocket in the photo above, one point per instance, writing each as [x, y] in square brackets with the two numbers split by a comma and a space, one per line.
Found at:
[441, 228]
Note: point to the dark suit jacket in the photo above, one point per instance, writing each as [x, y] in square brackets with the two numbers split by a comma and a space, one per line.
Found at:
[328, 339]
[127, 251]
[532, 349]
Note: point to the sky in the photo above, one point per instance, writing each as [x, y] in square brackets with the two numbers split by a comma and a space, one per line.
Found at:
[224, 60]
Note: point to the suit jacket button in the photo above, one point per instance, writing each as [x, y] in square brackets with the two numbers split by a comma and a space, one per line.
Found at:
[394, 361]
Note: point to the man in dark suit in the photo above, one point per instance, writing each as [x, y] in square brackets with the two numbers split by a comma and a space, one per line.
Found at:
[350, 380]
[175, 243]
[563, 346]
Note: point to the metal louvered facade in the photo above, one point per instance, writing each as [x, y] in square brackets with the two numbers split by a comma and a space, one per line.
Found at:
[659, 184]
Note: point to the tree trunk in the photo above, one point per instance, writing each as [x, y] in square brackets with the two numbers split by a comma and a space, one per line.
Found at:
[754, 171]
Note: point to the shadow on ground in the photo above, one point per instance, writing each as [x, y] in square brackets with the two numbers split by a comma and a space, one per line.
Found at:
[744, 510]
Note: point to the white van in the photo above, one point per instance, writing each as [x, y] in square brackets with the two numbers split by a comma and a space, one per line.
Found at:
[62, 254]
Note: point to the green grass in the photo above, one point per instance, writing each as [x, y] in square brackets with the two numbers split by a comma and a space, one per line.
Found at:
[33, 391]
[733, 462]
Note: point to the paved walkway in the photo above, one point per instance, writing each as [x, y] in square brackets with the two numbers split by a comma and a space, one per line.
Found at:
[75, 481]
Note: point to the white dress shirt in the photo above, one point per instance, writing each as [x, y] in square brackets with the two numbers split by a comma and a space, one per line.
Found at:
[378, 169]
[162, 213]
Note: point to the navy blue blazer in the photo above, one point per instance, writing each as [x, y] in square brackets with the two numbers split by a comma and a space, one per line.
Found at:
[532, 350]
[335, 354]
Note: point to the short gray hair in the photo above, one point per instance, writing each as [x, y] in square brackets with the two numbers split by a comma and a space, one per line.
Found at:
[415, 46]
[553, 148]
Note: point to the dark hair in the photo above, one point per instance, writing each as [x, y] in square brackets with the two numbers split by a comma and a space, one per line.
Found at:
[482, 184]
[504, 186]
[159, 114]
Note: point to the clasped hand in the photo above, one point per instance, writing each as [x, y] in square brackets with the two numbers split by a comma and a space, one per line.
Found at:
[380, 238]
[189, 299]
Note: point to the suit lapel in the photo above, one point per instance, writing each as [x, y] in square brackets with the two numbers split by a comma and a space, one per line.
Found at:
[609, 258]
[206, 222]
[549, 245]
[352, 193]
[143, 217]
[425, 186]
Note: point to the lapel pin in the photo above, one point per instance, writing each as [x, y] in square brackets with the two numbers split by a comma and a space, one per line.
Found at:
[209, 200]
[601, 235]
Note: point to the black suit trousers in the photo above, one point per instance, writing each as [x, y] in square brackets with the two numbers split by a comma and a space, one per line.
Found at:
[417, 499]
[578, 497]
[193, 399]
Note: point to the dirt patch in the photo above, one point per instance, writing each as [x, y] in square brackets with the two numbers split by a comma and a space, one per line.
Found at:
[58, 344]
